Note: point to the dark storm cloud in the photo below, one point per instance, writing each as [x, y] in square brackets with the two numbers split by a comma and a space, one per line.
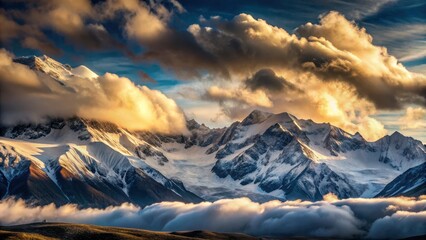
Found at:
[266, 79]
[178, 51]
[27, 35]
[79, 22]
[349, 218]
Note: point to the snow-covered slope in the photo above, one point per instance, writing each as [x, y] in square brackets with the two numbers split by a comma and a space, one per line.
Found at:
[280, 156]
[278, 160]
[84, 72]
[47, 65]
[411, 183]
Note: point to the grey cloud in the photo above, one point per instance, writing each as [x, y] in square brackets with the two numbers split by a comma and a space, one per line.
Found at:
[79, 22]
[27, 35]
[266, 79]
[399, 225]
[178, 51]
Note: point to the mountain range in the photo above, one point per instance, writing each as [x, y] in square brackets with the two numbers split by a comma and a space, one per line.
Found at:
[265, 156]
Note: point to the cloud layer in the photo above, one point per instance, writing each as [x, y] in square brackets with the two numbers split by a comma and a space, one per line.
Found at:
[28, 96]
[349, 218]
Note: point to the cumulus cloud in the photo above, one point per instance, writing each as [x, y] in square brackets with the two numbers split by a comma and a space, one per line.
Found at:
[415, 117]
[29, 96]
[351, 57]
[335, 103]
[349, 218]
[333, 50]
[328, 72]
[316, 59]
[144, 25]
[408, 223]
[143, 21]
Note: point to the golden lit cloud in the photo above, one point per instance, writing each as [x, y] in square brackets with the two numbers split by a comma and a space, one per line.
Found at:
[27, 96]
[329, 72]
[414, 118]
[252, 98]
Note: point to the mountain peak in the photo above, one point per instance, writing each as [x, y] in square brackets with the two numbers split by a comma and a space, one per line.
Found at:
[256, 116]
[44, 57]
[83, 71]
[285, 116]
[55, 69]
[277, 128]
[358, 136]
[192, 124]
[397, 134]
[396, 137]
[30, 61]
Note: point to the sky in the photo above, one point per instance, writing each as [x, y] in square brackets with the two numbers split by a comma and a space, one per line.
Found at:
[359, 65]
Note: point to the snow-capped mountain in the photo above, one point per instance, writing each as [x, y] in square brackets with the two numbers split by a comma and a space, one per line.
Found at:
[54, 68]
[266, 156]
[82, 162]
[307, 160]
[279, 160]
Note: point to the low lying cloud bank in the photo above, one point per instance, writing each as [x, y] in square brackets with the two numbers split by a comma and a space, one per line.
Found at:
[385, 218]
